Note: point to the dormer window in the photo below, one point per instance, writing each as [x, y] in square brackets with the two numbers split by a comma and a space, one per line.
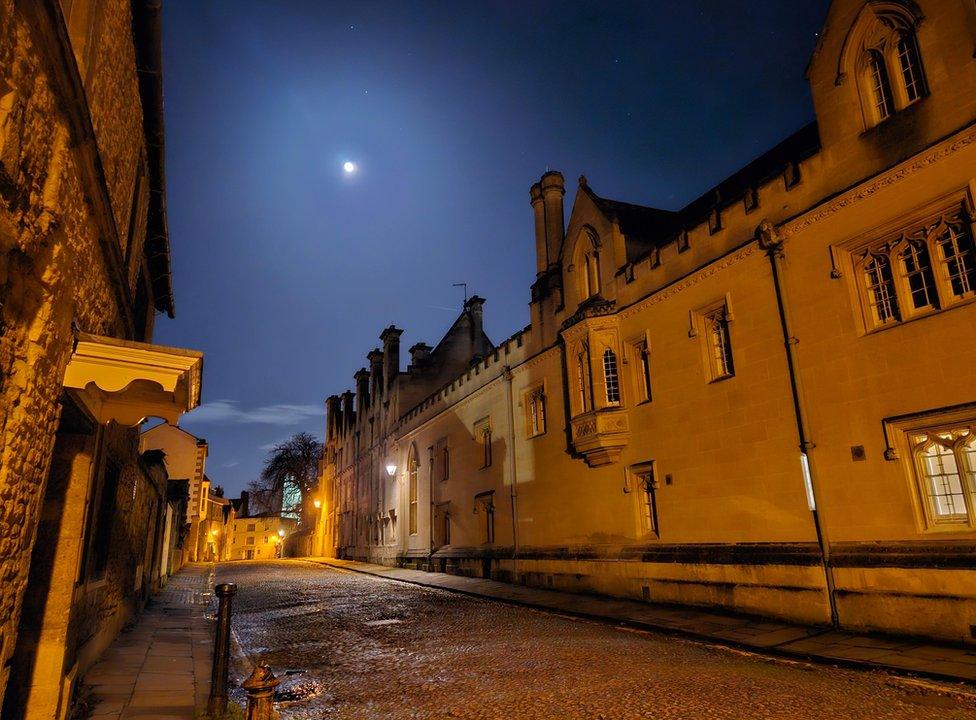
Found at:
[881, 51]
[587, 264]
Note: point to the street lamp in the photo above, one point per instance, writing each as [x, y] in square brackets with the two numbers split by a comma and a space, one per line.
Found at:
[317, 503]
[391, 469]
[281, 532]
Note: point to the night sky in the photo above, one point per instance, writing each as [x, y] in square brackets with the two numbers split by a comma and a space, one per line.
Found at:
[286, 269]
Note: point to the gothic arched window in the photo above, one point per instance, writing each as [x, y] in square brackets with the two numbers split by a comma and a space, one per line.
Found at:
[881, 51]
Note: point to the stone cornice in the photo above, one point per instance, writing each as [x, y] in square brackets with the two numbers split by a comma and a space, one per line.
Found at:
[880, 182]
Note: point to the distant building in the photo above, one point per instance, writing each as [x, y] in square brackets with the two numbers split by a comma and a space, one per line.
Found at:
[85, 268]
[764, 401]
[260, 537]
[186, 459]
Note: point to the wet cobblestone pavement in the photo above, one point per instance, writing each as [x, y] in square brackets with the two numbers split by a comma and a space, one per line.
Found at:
[365, 647]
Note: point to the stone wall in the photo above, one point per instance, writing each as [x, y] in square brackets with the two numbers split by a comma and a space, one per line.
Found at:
[67, 173]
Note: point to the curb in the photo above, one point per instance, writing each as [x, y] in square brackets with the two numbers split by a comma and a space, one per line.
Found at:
[968, 686]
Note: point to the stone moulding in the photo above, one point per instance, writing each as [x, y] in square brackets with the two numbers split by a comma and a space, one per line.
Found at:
[128, 381]
[600, 435]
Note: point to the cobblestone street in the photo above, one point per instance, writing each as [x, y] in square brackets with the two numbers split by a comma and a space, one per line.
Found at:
[373, 648]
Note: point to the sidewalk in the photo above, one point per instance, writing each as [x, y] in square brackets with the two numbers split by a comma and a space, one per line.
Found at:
[899, 655]
[160, 669]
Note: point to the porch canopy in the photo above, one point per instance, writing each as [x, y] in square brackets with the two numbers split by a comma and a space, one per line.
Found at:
[129, 381]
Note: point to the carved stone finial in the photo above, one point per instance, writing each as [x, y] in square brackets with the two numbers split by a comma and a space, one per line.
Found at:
[582, 181]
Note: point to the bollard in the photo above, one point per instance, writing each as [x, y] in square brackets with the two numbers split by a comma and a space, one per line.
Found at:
[217, 702]
[260, 688]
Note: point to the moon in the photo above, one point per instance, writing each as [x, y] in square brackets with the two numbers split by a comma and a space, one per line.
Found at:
[349, 167]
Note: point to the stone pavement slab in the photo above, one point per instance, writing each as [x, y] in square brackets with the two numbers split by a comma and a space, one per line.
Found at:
[956, 663]
[160, 668]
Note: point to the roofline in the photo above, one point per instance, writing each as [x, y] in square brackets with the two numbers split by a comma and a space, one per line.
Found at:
[146, 34]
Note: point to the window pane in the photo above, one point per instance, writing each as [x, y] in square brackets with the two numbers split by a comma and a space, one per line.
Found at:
[881, 290]
[610, 377]
[918, 273]
[720, 344]
[880, 85]
[956, 243]
[911, 67]
[943, 485]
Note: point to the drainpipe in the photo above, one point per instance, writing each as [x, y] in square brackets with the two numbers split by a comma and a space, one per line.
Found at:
[512, 469]
[770, 241]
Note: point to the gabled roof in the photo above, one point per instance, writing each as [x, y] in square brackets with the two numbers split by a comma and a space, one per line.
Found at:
[197, 440]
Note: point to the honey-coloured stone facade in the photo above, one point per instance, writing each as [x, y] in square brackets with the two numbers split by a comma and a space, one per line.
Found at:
[743, 407]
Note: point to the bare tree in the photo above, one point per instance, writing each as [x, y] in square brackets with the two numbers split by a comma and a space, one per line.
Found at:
[289, 477]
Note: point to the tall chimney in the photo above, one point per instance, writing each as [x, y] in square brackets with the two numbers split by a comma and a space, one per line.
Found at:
[553, 189]
[475, 307]
[332, 416]
[391, 353]
[375, 357]
[362, 391]
[538, 209]
[348, 414]
[419, 354]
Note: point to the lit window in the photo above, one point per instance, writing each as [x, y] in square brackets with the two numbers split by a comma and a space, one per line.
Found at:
[945, 467]
[719, 343]
[610, 377]
[536, 409]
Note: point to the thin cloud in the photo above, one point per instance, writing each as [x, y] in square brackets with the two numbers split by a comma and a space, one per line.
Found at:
[232, 463]
[228, 411]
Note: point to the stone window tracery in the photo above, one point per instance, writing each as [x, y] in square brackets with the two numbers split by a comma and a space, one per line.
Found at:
[882, 51]
[928, 267]
[945, 471]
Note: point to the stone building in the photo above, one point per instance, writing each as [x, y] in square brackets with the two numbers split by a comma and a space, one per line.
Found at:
[260, 536]
[185, 456]
[763, 401]
[84, 269]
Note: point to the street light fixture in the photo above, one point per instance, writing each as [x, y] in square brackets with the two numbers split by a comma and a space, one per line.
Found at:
[317, 503]
[391, 469]
[281, 532]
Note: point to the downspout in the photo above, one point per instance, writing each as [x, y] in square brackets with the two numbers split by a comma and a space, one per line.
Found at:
[770, 241]
[512, 469]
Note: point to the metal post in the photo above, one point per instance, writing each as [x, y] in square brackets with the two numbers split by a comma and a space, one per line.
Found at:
[217, 702]
[260, 689]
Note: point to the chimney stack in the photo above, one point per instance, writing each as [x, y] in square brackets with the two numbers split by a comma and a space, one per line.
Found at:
[539, 211]
[475, 308]
[333, 417]
[553, 188]
[348, 414]
[391, 353]
[375, 357]
[419, 353]
[362, 391]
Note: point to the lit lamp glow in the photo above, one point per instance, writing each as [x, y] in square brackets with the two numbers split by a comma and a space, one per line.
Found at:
[281, 532]
[391, 470]
[317, 503]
